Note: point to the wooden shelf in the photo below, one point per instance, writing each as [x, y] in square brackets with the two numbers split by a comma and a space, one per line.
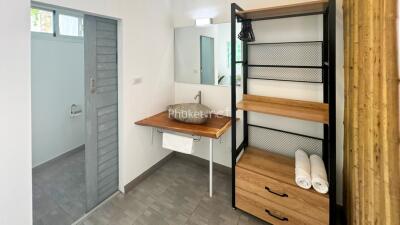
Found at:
[304, 110]
[306, 8]
[273, 165]
[213, 128]
[268, 164]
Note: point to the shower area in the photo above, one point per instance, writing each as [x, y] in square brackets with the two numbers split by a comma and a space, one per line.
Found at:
[74, 113]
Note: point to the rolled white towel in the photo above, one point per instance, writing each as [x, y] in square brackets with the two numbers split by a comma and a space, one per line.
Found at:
[318, 175]
[303, 176]
[177, 143]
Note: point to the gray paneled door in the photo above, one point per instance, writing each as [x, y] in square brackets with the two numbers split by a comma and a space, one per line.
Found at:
[101, 89]
[207, 60]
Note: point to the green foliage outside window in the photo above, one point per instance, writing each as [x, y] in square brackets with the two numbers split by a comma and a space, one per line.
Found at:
[41, 20]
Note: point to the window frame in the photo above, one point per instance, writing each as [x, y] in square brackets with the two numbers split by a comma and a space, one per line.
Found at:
[69, 13]
[54, 21]
[56, 25]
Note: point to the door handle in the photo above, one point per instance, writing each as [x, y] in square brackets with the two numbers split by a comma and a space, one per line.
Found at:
[281, 218]
[275, 193]
[92, 85]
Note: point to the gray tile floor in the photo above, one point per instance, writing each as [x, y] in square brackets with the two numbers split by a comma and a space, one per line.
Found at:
[59, 191]
[175, 194]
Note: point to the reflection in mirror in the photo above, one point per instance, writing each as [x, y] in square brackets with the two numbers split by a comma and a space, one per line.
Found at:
[203, 55]
[207, 63]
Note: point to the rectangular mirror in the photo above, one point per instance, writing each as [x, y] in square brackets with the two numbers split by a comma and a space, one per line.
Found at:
[203, 55]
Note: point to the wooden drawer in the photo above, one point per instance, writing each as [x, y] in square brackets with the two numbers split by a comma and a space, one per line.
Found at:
[308, 202]
[272, 212]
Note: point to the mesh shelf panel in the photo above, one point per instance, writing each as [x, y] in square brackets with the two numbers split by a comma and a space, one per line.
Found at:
[287, 74]
[283, 143]
[286, 54]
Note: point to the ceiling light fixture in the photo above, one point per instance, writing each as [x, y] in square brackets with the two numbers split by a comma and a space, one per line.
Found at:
[203, 22]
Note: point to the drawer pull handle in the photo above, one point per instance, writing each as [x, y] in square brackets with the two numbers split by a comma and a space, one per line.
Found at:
[280, 195]
[281, 218]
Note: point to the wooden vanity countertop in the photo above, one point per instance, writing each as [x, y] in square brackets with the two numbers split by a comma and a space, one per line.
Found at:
[213, 128]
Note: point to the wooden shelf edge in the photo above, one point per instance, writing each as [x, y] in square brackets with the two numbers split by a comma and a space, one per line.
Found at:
[214, 128]
[316, 6]
[297, 109]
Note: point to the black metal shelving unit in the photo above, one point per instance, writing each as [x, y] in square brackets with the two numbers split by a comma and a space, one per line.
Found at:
[317, 66]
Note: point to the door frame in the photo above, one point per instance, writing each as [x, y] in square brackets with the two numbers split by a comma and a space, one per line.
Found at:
[121, 123]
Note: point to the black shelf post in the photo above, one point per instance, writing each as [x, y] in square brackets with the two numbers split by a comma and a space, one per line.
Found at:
[325, 78]
[245, 69]
[332, 110]
[234, 7]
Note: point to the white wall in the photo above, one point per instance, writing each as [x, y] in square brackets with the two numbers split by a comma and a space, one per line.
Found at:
[222, 65]
[184, 13]
[147, 43]
[15, 111]
[146, 80]
[57, 83]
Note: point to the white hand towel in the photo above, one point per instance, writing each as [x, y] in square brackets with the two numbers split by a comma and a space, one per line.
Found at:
[303, 176]
[318, 175]
[178, 143]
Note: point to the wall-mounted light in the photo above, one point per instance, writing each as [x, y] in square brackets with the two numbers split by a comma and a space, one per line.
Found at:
[203, 22]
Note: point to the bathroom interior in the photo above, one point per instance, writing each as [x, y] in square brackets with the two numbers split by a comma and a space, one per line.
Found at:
[196, 112]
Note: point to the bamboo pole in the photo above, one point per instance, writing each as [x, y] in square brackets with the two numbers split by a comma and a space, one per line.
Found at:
[371, 155]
